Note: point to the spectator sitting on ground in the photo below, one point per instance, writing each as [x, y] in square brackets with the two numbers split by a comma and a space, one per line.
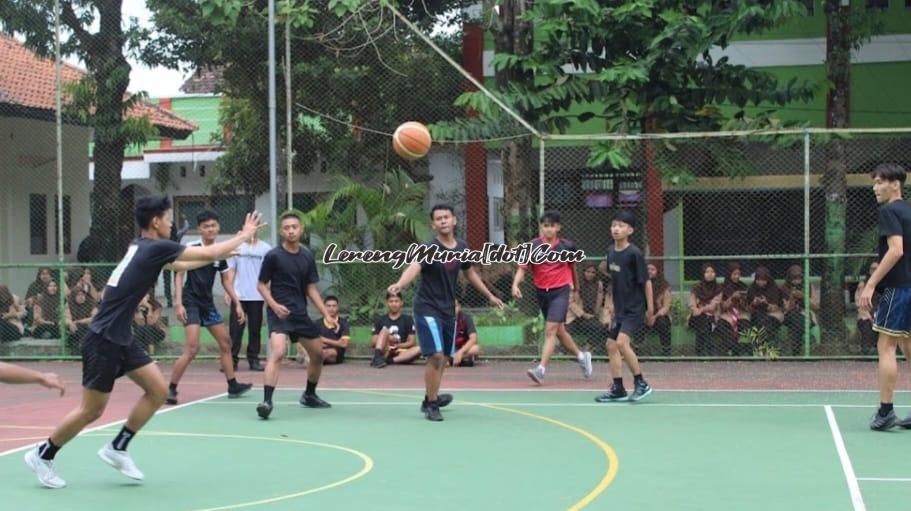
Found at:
[335, 339]
[764, 301]
[466, 340]
[80, 308]
[46, 324]
[585, 306]
[393, 337]
[792, 293]
[11, 314]
[148, 328]
[705, 299]
[82, 278]
[734, 314]
[661, 291]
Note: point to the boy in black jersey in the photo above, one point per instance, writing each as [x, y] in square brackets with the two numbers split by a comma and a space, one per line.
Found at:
[393, 336]
[434, 304]
[334, 332]
[287, 278]
[109, 351]
[195, 308]
[633, 308]
[893, 278]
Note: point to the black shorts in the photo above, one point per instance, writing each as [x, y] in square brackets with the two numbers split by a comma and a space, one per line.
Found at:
[554, 303]
[203, 315]
[103, 361]
[629, 325]
[339, 354]
[295, 328]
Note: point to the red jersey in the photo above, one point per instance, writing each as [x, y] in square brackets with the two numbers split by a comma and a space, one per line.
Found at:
[552, 275]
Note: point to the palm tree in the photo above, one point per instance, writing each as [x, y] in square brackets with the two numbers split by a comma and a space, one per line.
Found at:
[389, 215]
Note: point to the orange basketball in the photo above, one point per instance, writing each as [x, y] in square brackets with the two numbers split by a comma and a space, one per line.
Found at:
[411, 140]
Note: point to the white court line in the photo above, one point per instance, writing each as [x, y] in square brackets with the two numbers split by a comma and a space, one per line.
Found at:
[567, 405]
[109, 424]
[538, 389]
[886, 479]
[853, 487]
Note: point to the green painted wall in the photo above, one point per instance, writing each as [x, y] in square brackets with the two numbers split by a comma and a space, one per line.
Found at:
[202, 111]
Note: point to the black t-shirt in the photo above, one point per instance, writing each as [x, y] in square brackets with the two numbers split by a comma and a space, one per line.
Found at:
[289, 275]
[129, 283]
[197, 287]
[895, 220]
[342, 330]
[628, 277]
[399, 328]
[437, 291]
[464, 328]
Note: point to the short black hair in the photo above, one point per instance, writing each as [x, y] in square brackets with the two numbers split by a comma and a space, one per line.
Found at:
[206, 215]
[149, 207]
[330, 298]
[289, 214]
[626, 217]
[890, 172]
[441, 207]
[397, 295]
[550, 216]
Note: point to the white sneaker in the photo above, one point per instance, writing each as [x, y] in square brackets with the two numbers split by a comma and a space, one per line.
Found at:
[586, 364]
[120, 460]
[44, 469]
[536, 375]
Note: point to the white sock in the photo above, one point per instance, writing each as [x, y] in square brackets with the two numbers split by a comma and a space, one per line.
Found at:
[581, 356]
[542, 368]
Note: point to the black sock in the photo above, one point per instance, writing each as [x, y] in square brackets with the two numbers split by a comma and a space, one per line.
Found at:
[618, 383]
[122, 440]
[311, 388]
[884, 409]
[47, 450]
[269, 389]
[232, 382]
[426, 399]
[637, 378]
[173, 387]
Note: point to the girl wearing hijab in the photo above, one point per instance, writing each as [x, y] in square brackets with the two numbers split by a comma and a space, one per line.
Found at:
[661, 290]
[735, 317]
[764, 302]
[792, 294]
[705, 299]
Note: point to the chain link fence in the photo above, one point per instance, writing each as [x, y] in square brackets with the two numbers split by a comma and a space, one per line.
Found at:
[744, 233]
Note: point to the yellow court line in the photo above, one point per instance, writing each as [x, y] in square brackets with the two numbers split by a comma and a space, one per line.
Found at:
[368, 465]
[612, 459]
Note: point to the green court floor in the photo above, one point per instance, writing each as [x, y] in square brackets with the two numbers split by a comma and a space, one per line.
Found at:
[529, 450]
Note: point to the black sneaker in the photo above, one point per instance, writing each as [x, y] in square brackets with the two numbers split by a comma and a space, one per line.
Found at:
[264, 410]
[880, 423]
[443, 401]
[467, 362]
[378, 362]
[642, 391]
[235, 391]
[614, 395]
[255, 365]
[905, 423]
[313, 401]
[432, 413]
[172, 397]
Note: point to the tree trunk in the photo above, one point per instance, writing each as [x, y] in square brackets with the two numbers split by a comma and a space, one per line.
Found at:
[520, 178]
[112, 218]
[834, 180]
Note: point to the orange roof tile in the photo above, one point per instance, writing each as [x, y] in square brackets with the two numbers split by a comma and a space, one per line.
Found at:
[27, 89]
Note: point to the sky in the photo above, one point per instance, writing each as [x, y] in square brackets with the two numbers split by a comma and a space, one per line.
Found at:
[158, 82]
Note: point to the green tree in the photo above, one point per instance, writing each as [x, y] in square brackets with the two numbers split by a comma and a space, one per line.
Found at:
[349, 61]
[641, 66]
[386, 214]
[847, 29]
[100, 98]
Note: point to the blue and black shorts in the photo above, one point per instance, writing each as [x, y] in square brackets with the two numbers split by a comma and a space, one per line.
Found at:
[893, 317]
[435, 335]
